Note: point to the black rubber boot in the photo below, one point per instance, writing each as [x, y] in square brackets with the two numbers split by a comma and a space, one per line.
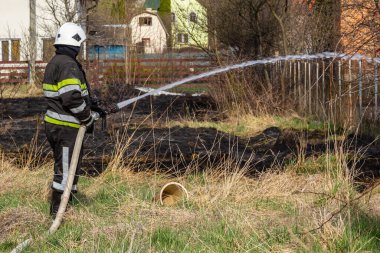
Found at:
[55, 202]
[71, 198]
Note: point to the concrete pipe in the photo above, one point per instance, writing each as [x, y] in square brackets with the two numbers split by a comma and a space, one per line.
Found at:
[171, 193]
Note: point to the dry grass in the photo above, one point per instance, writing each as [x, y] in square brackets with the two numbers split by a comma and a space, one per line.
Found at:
[19, 220]
[121, 201]
[292, 209]
[20, 91]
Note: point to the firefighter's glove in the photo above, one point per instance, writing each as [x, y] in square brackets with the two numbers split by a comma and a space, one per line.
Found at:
[94, 116]
[95, 106]
[102, 113]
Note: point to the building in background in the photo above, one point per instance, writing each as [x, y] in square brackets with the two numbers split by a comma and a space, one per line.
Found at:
[360, 24]
[109, 32]
[185, 20]
[50, 14]
[355, 25]
[148, 33]
[107, 41]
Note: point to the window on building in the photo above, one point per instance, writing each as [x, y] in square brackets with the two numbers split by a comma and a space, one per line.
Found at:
[47, 49]
[193, 17]
[5, 50]
[145, 21]
[15, 50]
[173, 17]
[183, 38]
[146, 42]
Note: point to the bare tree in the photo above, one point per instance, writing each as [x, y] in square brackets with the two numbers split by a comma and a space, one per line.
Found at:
[248, 28]
[58, 13]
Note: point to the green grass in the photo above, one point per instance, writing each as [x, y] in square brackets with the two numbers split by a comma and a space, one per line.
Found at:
[299, 123]
[166, 239]
[363, 234]
[7, 246]
[274, 204]
[114, 212]
[19, 198]
[314, 165]
[10, 200]
[246, 126]
[190, 89]
[221, 237]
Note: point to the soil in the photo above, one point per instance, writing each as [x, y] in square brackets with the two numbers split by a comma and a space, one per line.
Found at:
[174, 150]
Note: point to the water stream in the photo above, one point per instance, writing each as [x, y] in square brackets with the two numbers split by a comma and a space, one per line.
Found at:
[325, 55]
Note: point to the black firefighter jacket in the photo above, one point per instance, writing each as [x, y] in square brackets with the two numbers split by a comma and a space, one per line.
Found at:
[66, 90]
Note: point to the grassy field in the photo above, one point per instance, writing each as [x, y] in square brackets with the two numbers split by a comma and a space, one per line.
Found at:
[309, 205]
[248, 125]
[20, 90]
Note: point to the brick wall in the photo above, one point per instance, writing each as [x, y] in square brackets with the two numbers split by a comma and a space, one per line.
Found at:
[359, 27]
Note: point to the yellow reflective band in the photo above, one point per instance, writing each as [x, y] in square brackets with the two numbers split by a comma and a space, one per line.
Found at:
[69, 81]
[55, 88]
[60, 122]
[49, 87]
[83, 86]
[63, 83]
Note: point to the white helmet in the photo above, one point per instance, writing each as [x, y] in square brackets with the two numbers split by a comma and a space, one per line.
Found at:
[70, 34]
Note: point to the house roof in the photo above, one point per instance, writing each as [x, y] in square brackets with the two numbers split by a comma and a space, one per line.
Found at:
[153, 4]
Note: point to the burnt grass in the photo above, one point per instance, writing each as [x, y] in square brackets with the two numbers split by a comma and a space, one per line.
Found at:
[177, 149]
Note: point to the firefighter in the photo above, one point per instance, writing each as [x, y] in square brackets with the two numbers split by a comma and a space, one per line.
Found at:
[68, 106]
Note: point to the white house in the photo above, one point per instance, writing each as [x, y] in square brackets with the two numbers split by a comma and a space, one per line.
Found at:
[148, 32]
[15, 22]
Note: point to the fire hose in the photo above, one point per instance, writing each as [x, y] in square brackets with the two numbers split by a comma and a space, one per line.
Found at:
[74, 161]
[66, 194]
[72, 169]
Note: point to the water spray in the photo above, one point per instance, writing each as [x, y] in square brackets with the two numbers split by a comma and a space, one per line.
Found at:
[325, 55]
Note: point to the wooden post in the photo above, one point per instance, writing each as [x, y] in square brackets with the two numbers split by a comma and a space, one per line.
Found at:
[350, 92]
[32, 42]
[376, 91]
[317, 88]
[340, 87]
[310, 86]
[305, 85]
[323, 84]
[295, 81]
[360, 78]
[299, 84]
[330, 92]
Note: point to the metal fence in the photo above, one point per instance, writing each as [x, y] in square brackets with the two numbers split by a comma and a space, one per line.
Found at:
[343, 90]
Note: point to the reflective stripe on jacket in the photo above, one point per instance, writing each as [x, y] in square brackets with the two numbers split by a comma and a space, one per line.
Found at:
[67, 93]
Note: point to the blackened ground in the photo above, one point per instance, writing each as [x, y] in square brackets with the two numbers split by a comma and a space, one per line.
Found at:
[174, 150]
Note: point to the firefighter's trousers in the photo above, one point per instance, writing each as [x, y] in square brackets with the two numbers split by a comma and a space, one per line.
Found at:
[62, 141]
